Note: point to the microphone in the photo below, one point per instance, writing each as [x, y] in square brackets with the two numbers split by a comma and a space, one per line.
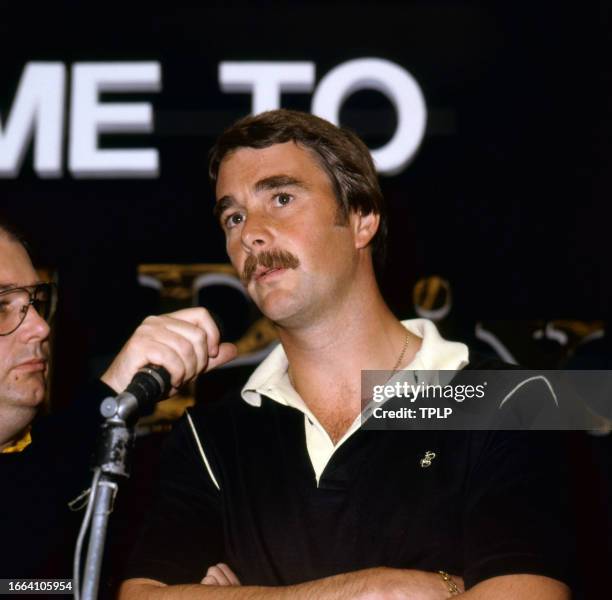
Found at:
[150, 385]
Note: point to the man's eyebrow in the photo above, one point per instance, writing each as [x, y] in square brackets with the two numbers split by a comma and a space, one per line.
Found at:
[276, 181]
[9, 286]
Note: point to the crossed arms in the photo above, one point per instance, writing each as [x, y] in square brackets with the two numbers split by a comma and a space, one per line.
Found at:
[370, 584]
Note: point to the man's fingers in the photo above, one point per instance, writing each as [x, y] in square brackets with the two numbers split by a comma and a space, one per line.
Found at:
[229, 574]
[138, 353]
[201, 318]
[224, 352]
[220, 574]
[163, 354]
[163, 342]
[196, 336]
[227, 352]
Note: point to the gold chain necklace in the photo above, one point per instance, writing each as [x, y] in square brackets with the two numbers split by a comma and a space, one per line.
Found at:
[395, 367]
[401, 356]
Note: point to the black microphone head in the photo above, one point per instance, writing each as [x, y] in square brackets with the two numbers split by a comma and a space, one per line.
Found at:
[150, 385]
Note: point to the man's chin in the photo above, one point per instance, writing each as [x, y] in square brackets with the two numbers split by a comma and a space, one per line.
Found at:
[272, 299]
[286, 315]
[31, 392]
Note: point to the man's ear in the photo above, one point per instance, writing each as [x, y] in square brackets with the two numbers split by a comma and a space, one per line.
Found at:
[365, 227]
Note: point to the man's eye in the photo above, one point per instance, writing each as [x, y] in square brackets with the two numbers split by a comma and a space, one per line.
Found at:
[8, 307]
[233, 220]
[283, 199]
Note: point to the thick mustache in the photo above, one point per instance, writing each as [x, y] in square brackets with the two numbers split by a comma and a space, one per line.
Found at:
[269, 259]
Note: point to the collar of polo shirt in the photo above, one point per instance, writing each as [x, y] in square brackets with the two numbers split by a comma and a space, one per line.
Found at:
[271, 379]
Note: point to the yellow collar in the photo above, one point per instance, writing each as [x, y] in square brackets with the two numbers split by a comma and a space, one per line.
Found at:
[23, 442]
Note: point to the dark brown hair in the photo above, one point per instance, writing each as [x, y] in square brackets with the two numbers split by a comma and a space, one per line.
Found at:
[345, 158]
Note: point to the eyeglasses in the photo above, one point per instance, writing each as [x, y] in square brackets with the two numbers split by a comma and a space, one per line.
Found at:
[15, 302]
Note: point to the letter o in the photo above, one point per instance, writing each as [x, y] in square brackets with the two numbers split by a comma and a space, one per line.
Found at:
[394, 82]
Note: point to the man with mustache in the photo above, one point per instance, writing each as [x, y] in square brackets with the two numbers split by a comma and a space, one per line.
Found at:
[44, 463]
[278, 488]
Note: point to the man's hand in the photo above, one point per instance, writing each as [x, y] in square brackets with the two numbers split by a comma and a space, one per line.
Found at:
[220, 574]
[185, 342]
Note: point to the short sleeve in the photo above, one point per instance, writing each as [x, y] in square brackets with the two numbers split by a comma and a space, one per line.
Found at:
[517, 517]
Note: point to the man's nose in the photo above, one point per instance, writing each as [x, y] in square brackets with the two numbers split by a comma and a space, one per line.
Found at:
[256, 232]
[34, 326]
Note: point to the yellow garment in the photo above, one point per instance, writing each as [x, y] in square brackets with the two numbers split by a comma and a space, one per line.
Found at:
[23, 442]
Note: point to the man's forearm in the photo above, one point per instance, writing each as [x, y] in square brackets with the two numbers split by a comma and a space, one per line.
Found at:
[368, 584]
[338, 587]
[504, 587]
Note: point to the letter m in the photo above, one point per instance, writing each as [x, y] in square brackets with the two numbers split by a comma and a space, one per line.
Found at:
[37, 112]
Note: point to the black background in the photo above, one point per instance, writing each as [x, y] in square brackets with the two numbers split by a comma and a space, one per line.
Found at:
[508, 197]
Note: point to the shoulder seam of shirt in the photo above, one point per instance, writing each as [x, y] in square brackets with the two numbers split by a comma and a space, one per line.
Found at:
[528, 380]
[202, 453]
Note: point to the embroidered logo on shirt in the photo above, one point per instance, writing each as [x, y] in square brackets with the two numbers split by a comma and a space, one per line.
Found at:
[426, 460]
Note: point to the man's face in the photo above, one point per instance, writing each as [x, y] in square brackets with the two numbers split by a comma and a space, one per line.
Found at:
[277, 208]
[23, 353]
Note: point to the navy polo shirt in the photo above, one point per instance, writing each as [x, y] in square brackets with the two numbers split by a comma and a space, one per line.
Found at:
[238, 486]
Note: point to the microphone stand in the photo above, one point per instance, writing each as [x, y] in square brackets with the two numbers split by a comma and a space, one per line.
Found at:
[149, 385]
[111, 466]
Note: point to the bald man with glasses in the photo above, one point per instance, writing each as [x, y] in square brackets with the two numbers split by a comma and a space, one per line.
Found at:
[44, 461]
